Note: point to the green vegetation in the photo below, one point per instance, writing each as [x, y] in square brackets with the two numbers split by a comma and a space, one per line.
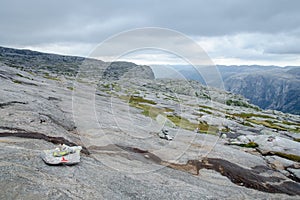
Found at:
[229, 117]
[143, 104]
[116, 87]
[138, 99]
[247, 124]
[226, 129]
[249, 115]
[106, 85]
[206, 96]
[151, 111]
[206, 111]
[202, 127]
[287, 156]
[111, 86]
[169, 97]
[236, 103]
[207, 107]
[250, 144]
[17, 82]
[148, 109]
[202, 95]
[22, 76]
[297, 139]
[70, 88]
[268, 124]
[47, 76]
[290, 123]
[231, 102]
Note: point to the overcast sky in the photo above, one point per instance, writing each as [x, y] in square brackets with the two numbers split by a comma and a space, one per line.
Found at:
[265, 32]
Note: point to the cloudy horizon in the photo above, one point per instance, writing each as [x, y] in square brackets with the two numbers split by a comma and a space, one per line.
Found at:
[232, 32]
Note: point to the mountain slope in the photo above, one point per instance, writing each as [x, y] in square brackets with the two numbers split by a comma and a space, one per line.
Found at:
[279, 91]
[268, 87]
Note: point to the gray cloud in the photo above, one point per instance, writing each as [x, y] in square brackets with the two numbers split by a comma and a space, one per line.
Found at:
[37, 23]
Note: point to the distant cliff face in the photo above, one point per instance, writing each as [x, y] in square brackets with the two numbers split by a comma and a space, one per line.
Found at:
[268, 87]
[279, 91]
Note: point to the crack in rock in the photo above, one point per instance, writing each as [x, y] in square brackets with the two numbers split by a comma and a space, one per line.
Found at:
[10, 103]
[238, 175]
[35, 135]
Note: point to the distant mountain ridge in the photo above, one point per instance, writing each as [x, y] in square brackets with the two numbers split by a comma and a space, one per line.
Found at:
[269, 87]
[38, 62]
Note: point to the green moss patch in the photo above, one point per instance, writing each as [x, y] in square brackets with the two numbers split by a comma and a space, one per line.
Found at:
[297, 139]
[231, 102]
[268, 124]
[150, 111]
[249, 115]
[47, 76]
[202, 126]
[205, 111]
[249, 145]
[138, 99]
[70, 88]
[287, 156]
[17, 82]
[146, 105]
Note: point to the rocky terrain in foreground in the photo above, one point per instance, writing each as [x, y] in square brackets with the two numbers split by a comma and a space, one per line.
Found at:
[222, 147]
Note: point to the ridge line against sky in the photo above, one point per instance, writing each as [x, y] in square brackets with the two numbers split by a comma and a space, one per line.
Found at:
[233, 32]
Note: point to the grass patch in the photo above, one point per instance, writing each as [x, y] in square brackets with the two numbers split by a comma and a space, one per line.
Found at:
[231, 102]
[249, 145]
[268, 124]
[202, 127]
[47, 76]
[249, 115]
[182, 122]
[150, 111]
[138, 99]
[287, 156]
[247, 124]
[169, 97]
[290, 123]
[205, 111]
[207, 107]
[146, 106]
